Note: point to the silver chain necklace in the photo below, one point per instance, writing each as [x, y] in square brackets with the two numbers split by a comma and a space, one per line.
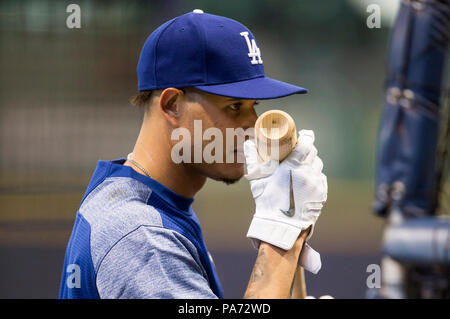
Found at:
[137, 165]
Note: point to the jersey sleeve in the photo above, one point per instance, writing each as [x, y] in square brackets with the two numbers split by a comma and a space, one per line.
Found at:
[153, 262]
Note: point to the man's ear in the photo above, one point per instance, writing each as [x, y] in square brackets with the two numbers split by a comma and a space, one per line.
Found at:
[170, 104]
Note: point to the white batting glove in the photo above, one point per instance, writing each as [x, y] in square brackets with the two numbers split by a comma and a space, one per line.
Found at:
[282, 210]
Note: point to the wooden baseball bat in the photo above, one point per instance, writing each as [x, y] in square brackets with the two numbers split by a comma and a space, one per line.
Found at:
[276, 137]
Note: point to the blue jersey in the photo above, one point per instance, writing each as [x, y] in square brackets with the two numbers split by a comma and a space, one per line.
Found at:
[135, 238]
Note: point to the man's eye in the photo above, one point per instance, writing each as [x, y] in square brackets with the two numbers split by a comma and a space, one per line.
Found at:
[235, 106]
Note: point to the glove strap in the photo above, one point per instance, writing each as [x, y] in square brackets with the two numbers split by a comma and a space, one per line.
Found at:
[278, 234]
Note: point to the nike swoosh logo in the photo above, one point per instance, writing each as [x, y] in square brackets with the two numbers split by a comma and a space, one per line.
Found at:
[291, 211]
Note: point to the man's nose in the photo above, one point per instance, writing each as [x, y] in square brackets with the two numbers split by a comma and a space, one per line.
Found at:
[250, 119]
[249, 123]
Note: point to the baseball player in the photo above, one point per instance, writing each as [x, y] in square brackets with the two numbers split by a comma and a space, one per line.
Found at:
[135, 234]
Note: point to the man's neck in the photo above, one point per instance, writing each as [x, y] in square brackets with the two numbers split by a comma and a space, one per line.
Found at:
[154, 156]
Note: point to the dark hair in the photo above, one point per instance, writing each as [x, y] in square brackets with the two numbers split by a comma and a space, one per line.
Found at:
[144, 98]
[141, 99]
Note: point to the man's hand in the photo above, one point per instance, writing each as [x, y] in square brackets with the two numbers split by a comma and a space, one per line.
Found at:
[288, 197]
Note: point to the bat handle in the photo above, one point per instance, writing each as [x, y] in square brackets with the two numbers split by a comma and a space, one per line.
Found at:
[298, 290]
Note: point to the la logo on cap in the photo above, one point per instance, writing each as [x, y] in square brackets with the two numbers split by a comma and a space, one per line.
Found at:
[253, 50]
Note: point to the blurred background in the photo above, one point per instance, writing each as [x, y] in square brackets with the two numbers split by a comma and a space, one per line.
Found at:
[64, 105]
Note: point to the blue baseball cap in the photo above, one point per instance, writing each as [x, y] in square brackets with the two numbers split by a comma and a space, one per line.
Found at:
[211, 53]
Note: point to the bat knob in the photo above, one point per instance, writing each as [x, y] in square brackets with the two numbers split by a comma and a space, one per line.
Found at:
[275, 135]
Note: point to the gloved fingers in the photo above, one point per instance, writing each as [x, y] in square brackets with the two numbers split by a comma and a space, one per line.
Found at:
[257, 187]
[306, 180]
[317, 164]
[306, 135]
[250, 152]
[301, 154]
[251, 160]
[325, 185]
[255, 168]
[311, 157]
[304, 150]
[279, 187]
[307, 138]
